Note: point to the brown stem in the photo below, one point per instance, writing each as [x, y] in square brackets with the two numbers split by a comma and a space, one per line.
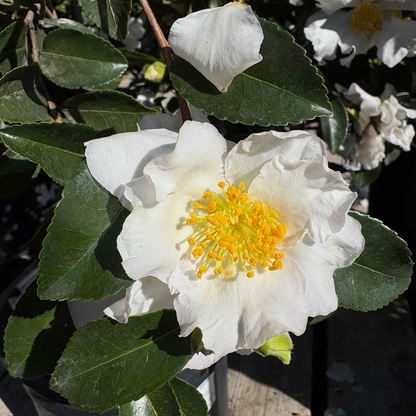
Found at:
[30, 23]
[166, 53]
[50, 10]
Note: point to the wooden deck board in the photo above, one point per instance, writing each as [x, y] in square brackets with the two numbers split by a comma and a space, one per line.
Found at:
[380, 348]
[265, 387]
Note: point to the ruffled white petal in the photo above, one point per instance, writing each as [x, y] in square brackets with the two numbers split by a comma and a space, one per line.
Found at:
[220, 43]
[395, 40]
[196, 163]
[318, 263]
[146, 295]
[240, 312]
[245, 160]
[369, 104]
[115, 160]
[154, 235]
[308, 197]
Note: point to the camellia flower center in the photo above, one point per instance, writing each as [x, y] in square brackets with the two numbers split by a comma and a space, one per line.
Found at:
[366, 18]
[232, 231]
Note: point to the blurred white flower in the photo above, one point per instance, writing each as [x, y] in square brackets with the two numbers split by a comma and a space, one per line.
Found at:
[136, 31]
[243, 243]
[379, 119]
[220, 43]
[369, 23]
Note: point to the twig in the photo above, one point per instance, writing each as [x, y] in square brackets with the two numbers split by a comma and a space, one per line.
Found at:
[166, 53]
[50, 10]
[29, 21]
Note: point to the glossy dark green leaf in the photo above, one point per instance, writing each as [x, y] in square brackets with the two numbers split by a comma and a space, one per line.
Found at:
[139, 57]
[365, 177]
[58, 148]
[36, 335]
[66, 24]
[335, 127]
[107, 110]
[16, 174]
[111, 16]
[392, 153]
[107, 363]
[67, 64]
[175, 398]
[79, 259]
[12, 46]
[380, 274]
[20, 100]
[283, 88]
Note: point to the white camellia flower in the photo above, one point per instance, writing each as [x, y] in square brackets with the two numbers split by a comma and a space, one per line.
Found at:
[368, 23]
[220, 43]
[242, 243]
[379, 119]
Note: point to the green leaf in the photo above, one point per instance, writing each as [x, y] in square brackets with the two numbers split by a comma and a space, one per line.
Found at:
[12, 46]
[107, 109]
[16, 174]
[66, 24]
[283, 88]
[79, 259]
[335, 127]
[111, 16]
[20, 101]
[36, 335]
[58, 148]
[365, 177]
[67, 64]
[175, 398]
[139, 57]
[280, 347]
[107, 363]
[392, 153]
[380, 274]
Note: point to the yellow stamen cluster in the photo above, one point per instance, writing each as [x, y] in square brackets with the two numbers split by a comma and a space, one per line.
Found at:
[233, 229]
[366, 18]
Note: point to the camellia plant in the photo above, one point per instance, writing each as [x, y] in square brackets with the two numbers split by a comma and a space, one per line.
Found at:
[196, 201]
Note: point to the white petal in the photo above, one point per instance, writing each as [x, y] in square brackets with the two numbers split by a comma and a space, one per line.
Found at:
[146, 295]
[153, 236]
[239, 312]
[220, 43]
[371, 149]
[395, 40]
[115, 160]
[369, 104]
[318, 263]
[331, 6]
[245, 160]
[325, 41]
[197, 162]
[308, 196]
[83, 312]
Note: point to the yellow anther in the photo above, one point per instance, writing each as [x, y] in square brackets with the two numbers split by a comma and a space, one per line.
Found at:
[211, 206]
[366, 18]
[236, 232]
